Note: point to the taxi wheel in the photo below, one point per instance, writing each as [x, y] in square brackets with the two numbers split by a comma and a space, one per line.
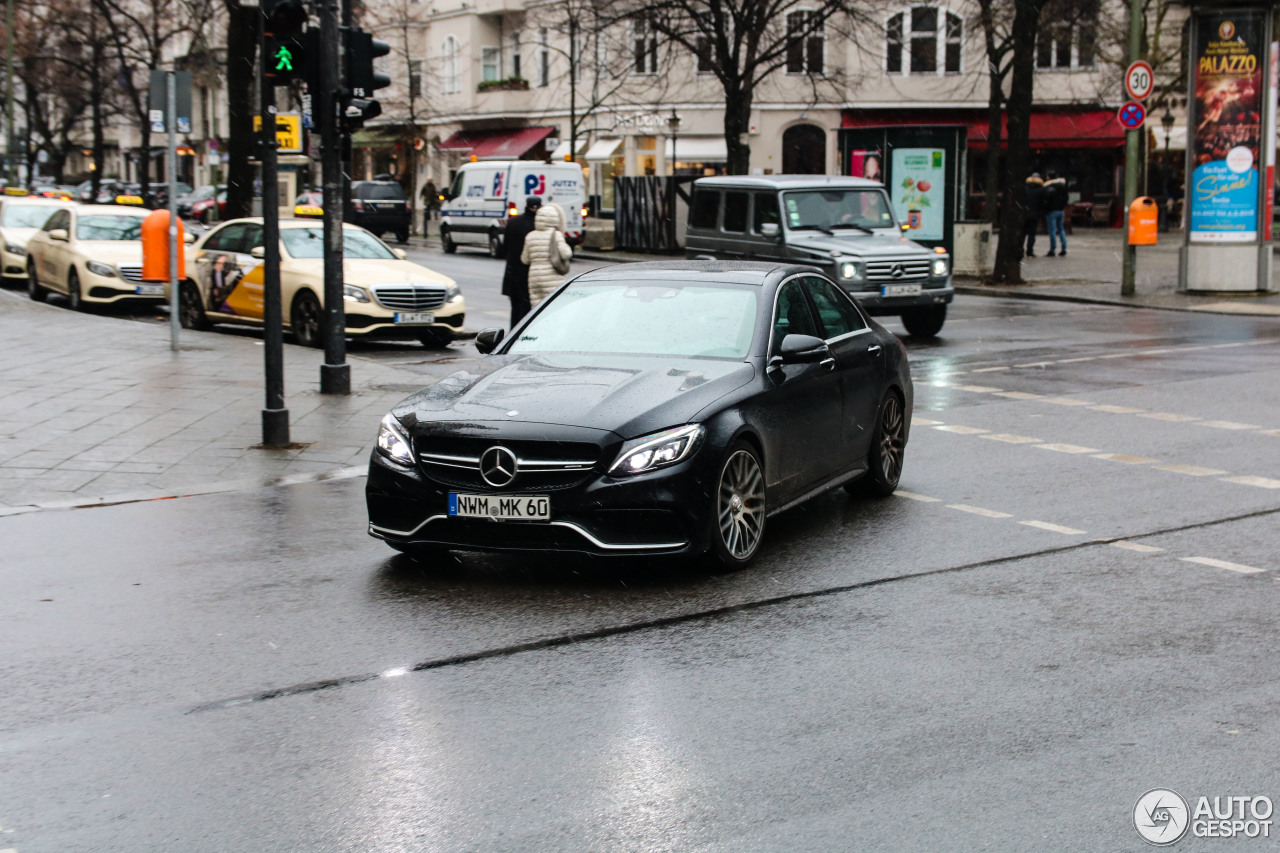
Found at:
[446, 242]
[190, 309]
[74, 301]
[305, 318]
[436, 338]
[34, 290]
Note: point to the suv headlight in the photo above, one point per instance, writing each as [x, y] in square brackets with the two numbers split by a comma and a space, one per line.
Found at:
[658, 450]
[850, 269]
[14, 249]
[939, 266]
[453, 293]
[393, 441]
[98, 268]
[355, 294]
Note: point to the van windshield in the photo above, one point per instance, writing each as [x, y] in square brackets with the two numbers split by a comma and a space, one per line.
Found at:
[833, 209]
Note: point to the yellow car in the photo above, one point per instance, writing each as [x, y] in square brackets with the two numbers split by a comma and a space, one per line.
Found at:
[20, 219]
[384, 295]
[91, 253]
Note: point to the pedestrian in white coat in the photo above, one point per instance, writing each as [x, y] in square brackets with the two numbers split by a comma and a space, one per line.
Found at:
[548, 233]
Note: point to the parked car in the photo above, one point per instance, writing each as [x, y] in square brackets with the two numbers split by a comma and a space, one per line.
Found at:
[58, 192]
[309, 205]
[657, 408]
[845, 227]
[187, 199]
[93, 255]
[381, 207]
[210, 208]
[20, 219]
[385, 296]
[487, 193]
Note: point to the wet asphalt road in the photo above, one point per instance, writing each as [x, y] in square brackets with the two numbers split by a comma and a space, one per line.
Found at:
[960, 667]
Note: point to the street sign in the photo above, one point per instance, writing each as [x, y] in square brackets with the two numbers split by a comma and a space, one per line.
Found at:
[288, 132]
[1132, 115]
[1139, 81]
[157, 104]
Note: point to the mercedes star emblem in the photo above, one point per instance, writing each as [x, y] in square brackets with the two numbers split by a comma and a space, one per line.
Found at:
[897, 271]
[498, 467]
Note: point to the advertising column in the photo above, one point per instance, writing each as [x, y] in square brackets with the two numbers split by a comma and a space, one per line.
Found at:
[1229, 159]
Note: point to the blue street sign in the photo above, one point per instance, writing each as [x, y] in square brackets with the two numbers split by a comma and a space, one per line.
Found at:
[1132, 115]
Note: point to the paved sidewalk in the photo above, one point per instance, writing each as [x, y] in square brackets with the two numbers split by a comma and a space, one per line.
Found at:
[98, 409]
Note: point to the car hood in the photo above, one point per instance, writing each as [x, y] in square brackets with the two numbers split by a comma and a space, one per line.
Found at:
[856, 244]
[629, 396]
[366, 272]
[110, 251]
[17, 236]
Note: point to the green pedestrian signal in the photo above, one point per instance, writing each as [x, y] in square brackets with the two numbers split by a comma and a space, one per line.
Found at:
[284, 59]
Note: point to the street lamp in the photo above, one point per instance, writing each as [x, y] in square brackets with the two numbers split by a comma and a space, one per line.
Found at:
[1167, 121]
[673, 125]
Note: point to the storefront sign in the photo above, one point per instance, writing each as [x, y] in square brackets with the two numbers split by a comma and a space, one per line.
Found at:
[1231, 53]
[918, 190]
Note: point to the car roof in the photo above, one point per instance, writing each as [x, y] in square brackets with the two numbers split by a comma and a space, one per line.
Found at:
[287, 223]
[48, 202]
[788, 182]
[109, 209]
[712, 272]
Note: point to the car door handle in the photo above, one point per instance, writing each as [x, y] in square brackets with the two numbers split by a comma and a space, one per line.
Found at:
[829, 363]
[874, 349]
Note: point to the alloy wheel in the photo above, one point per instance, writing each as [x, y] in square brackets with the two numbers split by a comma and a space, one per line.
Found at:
[306, 321]
[740, 505]
[892, 439]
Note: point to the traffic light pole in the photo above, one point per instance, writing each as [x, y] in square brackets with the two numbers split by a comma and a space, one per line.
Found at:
[275, 417]
[335, 373]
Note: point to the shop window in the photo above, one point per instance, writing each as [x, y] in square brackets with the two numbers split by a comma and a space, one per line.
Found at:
[930, 38]
[805, 43]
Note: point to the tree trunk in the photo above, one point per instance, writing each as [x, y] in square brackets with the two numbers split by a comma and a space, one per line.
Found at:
[1026, 19]
[242, 48]
[995, 134]
[737, 121]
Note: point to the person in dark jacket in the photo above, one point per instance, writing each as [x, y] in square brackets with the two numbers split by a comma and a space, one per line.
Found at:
[1055, 207]
[515, 280]
[1032, 211]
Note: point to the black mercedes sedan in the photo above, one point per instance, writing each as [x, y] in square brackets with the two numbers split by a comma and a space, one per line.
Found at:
[656, 408]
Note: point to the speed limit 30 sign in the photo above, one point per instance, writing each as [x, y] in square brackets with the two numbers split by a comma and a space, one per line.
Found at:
[1139, 81]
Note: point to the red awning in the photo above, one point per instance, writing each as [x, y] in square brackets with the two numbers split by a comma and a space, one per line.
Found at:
[1049, 128]
[497, 144]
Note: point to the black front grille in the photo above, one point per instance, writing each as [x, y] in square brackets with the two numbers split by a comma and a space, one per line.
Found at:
[544, 465]
[130, 272]
[409, 297]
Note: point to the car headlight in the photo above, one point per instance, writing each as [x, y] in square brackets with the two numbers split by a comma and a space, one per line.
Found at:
[453, 293]
[98, 268]
[393, 441]
[939, 266]
[15, 249]
[658, 450]
[849, 269]
[355, 294]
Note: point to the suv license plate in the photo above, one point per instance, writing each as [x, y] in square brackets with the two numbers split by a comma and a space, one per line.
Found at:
[418, 317]
[500, 507]
[899, 290]
[149, 290]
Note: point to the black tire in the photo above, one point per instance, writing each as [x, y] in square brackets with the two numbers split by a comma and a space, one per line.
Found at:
[446, 242]
[436, 338]
[496, 247]
[738, 508]
[306, 320]
[888, 445]
[402, 237]
[35, 290]
[925, 322]
[75, 300]
[191, 309]
[206, 217]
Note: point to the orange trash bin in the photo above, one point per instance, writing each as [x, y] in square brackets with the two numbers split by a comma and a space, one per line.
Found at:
[155, 247]
[1144, 217]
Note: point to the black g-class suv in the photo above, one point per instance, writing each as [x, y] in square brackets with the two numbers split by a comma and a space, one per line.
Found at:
[381, 206]
[844, 226]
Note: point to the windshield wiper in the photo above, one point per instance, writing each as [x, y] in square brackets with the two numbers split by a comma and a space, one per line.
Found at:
[826, 231]
[864, 229]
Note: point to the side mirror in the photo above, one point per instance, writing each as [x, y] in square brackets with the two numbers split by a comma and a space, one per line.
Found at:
[401, 254]
[800, 349]
[258, 252]
[769, 229]
[59, 234]
[487, 340]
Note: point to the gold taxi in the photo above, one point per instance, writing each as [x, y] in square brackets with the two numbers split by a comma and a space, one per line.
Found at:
[384, 295]
[92, 254]
[20, 219]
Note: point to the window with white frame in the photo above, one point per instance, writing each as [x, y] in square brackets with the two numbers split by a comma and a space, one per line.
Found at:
[450, 66]
[490, 64]
[1066, 45]
[644, 50]
[515, 54]
[924, 40]
[544, 58]
[805, 42]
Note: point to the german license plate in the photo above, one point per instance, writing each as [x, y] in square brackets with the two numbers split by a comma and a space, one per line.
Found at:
[500, 507]
[149, 290]
[899, 290]
[415, 317]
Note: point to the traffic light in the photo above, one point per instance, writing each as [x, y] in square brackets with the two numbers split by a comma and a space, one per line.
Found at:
[289, 52]
[356, 111]
[362, 48]
[284, 19]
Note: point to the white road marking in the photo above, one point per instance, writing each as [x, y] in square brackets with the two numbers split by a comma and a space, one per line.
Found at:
[912, 496]
[1066, 401]
[1053, 528]
[1167, 416]
[1125, 458]
[1134, 546]
[1010, 438]
[1191, 470]
[964, 430]
[977, 389]
[1118, 410]
[1260, 482]
[1035, 364]
[1269, 431]
[977, 510]
[1115, 355]
[1077, 360]
[1067, 448]
[1222, 564]
[1019, 395]
[991, 369]
[1226, 425]
[924, 422]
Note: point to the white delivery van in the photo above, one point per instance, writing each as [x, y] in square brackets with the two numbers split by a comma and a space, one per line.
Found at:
[486, 193]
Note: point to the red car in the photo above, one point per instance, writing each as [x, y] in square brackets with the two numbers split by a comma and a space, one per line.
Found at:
[203, 209]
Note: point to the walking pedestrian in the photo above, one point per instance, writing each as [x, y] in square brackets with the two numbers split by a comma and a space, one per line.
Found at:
[1032, 210]
[1055, 207]
[515, 279]
[430, 204]
[539, 246]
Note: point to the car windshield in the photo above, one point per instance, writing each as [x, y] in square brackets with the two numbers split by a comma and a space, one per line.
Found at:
[108, 227]
[309, 243]
[25, 215]
[832, 209]
[654, 318]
